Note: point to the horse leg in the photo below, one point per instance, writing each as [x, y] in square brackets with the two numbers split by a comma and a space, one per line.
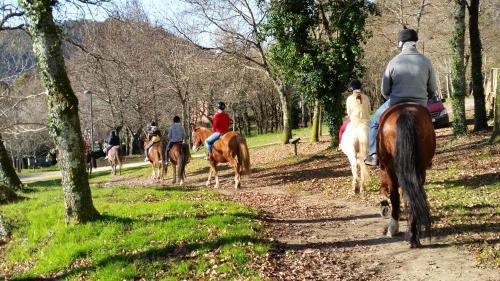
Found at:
[393, 228]
[209, 176]
[236, 168]
[365, 175]
[153, 174]
[216, 174]
[354, 169]
[174, 177]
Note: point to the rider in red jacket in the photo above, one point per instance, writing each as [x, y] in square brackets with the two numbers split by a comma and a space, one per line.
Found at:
[220, 126]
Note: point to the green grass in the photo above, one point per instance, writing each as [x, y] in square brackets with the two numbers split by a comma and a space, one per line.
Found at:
[273, 138]
[40, 170]
[467, 209]
[152, 233]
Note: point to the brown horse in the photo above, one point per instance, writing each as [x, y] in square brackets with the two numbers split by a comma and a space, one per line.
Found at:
[406, 143]
[231, 148]
[115, 159]
[179, 156]
[156, 154]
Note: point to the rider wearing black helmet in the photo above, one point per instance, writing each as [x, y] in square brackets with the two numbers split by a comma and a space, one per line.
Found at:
[153, 135]
[409, 77]
[175, 135]
[113, 140]
[220, 126]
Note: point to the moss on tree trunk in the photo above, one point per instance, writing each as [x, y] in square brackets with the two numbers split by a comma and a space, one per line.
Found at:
[458, 69]
[7, 194]
[315, 123]
[334, 112]
[284, 96]
[495, 137]
[8, 175]
[64, 122]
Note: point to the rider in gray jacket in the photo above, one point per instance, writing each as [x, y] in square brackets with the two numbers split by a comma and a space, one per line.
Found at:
[409, 77]
[175, 135]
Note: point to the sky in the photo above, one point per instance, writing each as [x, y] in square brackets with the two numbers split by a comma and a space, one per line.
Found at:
[158, 10]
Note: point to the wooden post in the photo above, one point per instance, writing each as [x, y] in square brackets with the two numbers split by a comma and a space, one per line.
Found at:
[294, 141]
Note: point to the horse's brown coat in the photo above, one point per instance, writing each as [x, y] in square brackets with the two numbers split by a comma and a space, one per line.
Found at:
[230, 148]
[397, 171]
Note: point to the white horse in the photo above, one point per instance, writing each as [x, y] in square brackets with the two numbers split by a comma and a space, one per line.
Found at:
[354, 142]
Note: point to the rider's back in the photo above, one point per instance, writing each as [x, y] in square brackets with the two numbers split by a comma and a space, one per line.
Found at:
[409, 77]
[358, 107]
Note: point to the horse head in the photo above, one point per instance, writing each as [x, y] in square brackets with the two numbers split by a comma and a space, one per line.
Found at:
[197, 139]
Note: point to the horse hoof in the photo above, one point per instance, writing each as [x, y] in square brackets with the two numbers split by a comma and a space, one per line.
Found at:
[207, 184]
[384, 211]
[393, 228]
[415, 245]
[181, 182]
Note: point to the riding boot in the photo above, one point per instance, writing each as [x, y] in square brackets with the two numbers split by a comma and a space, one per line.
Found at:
[371, 160]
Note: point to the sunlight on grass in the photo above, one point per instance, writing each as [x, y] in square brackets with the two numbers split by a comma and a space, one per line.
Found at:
[144, 232]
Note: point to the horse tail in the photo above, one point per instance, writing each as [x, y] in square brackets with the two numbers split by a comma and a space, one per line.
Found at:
[407, 171]
[184, 157]
[244, 155]
[119, 157]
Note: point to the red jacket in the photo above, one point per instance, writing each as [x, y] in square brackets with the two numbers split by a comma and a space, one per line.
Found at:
[342, 128]
[221, 123]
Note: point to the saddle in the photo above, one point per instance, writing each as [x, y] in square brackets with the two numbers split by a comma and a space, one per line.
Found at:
[155, 139]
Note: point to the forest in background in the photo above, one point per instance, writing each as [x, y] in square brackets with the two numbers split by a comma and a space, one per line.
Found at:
[139, 71]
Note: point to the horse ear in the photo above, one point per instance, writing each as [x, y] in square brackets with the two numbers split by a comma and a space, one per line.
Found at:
[193, 126]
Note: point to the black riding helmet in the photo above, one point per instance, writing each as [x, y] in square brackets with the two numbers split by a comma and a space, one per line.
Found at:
[152, 123]
[221, 105]
[407, 34]
[177, 119]
[355, 85]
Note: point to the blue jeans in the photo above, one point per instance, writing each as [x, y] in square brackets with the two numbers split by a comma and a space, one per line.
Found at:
[374, 122]
[209, 142]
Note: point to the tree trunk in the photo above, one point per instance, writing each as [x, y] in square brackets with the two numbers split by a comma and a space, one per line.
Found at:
[333, 114]
[495, 137]
[246, 122]
[64, 122]
[185, 120]
[286, 135]
[458, 69]
[315, 123]
[480, 119]
[303, 111]
[8, 175]
[320, 119]
[7, 194]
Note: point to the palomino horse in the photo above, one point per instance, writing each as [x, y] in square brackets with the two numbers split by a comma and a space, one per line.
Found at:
[231, 148]
[179, 156]
[354, 142]
[115, 159]
[156, 154]
[406, 143]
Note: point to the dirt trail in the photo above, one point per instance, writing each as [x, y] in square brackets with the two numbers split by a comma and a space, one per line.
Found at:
[331, 236]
